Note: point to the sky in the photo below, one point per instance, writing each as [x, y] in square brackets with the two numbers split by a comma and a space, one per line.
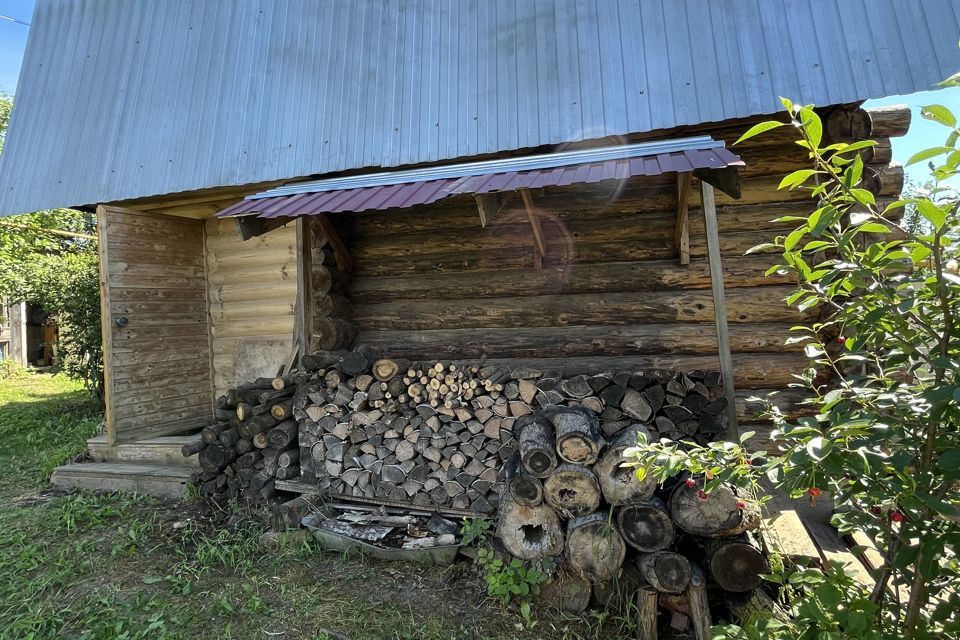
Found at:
[922, 134]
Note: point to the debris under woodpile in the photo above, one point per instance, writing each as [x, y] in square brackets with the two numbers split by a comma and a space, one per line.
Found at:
[543, 450]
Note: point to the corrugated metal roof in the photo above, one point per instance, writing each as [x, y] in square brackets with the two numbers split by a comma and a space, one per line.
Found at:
[401, 189]
[120, 100]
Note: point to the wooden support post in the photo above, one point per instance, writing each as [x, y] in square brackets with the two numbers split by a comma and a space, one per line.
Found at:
[681, 234]
[719, 306]
[541, 249]
[340, 251]
[303, 325]
[252, 226]
[486, 207]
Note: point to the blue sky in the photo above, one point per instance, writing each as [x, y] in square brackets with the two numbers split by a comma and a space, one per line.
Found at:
[13, 38]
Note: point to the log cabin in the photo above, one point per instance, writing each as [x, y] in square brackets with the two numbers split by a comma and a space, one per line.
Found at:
[550, 185]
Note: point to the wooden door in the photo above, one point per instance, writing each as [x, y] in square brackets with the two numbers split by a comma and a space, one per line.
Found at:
[155, 324]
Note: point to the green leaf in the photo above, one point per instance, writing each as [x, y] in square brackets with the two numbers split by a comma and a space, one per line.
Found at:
[759, 128]
[791, 240]
[796, 178]
[939, 113]
[817, 448]
[812, 125]
[932, 213]
[926, 154]
[874, 227]
[746, 436]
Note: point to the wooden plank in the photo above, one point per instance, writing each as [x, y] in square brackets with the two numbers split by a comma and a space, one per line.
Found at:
[534, 218]
[163, 481]
[305, 300]
[720, 306]
[164, 451]
[784, 529]
[106, 325]
[154, 294]
[681, 236]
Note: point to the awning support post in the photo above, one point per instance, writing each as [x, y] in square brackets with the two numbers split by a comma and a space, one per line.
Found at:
[681, 234]
[719, 306]
[340, 251]
[540, 250]
[303, 320]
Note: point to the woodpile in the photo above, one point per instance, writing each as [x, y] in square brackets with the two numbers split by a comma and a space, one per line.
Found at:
[253, 442]
[441, 434]
[568, 497]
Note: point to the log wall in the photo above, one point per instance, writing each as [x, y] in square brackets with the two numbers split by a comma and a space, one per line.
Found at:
[431, 282]
[252, 289]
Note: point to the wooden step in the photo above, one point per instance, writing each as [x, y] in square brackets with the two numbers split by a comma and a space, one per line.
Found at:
[163, 450]
[167, 481]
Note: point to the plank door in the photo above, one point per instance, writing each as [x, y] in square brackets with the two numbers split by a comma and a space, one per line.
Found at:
[155, 324]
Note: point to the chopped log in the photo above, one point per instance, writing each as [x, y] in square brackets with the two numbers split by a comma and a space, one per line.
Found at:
[243, 411]
[210, 433]
[192, 448]
[704, 515]
[228, 437]
[529, 532]
[572, 490]
[354, 363]
[319, 361]
[594, 548]
[883, 180]
[645, 525]
[282, 435]
[256, 424]
[282, 410]
[566, 591]
[386, 369]
[666, 571]
[846, 124]
[735, 566]
[288, 458]
[281, 382]
[892, 121]
[537, 451]
[750, 519]
[699, 605]
[522, 487]
[217, 456]
[635, 405]
[619, 483]
[578, 438]
[747, 606]
[333, 333]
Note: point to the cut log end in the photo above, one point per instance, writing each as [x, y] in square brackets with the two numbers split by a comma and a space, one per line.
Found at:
[646, 526]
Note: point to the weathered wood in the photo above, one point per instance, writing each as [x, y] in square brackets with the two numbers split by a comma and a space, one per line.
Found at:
[192, 448]
[645, 525]
[647, 613]
[681, 238]
[537, 451]
[666, 571]
[530, 532]
[523, 488]
[332, 334]
[699, 605]
[594, 548]
[846, 124]
[704, 514]
[618, 483]
[566, 591]
[572, 490]
[891, 121]
[736, 566]
[282, 435]
[577, 435]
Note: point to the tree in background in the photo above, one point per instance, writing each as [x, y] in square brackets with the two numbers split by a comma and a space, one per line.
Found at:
[49, 258]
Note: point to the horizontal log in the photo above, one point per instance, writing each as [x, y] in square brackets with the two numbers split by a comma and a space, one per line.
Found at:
[574, 341]
[745, 271]
[891, 121]
[760, 304]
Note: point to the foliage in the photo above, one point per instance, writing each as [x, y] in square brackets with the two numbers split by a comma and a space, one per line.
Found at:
[6, 106]
[474, 530]
[511, 578]
[884, 438]
[717, 462]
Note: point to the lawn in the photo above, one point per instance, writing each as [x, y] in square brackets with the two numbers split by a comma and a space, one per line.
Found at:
[83, 565]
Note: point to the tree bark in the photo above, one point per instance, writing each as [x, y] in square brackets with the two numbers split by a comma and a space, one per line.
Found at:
[594, 548]
[529, 532]
[572, 490]
[645, 525]
[578, 438]
[618, 483]
[537, 452]
[523, 488]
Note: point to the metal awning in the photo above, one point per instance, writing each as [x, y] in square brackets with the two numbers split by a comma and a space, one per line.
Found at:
[398, 189]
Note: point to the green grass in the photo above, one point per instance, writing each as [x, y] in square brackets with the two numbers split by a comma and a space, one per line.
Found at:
[83, 565]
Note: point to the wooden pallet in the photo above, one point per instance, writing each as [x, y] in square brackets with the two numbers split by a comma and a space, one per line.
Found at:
[156, 480]
[163, 450]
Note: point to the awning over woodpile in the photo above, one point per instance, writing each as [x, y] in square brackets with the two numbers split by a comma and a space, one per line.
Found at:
[398, 189]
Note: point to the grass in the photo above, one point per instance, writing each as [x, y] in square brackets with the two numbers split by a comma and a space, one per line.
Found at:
[110, 566]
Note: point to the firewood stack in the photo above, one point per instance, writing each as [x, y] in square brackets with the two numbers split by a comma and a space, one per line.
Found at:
[253, 441]
[567, 496]
[438, 434]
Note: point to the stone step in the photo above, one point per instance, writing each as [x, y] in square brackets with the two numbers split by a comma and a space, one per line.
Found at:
[168, 481]
[163, 450]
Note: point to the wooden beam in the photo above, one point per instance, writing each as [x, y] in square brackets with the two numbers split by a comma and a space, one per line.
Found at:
[106, 328]
[341, 253]
[681, 234]
[487, 206]
[719, 306]
[252, 226]
[303, 325]
[537, 229]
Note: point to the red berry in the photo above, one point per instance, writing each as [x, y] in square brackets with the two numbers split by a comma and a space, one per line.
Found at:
[691, 483]
[741, 505]
[896, 516]
[702, 494]
[841, 340]
[875, 509]
[814, 492]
